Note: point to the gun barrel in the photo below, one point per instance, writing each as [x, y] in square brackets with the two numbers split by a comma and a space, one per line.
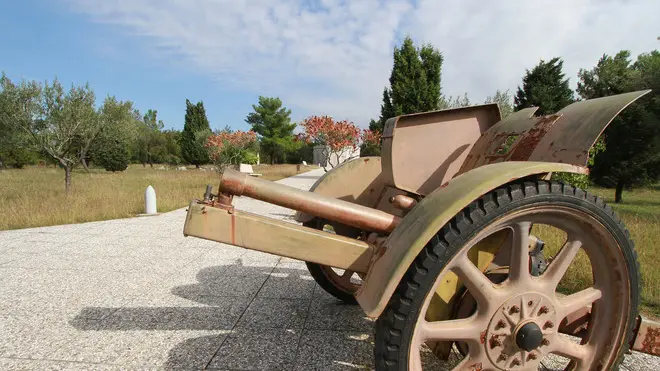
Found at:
[348, 213]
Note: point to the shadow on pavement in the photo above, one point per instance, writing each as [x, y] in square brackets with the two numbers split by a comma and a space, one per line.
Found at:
[251, 327]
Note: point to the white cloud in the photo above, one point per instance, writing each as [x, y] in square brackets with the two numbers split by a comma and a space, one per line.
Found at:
[334, 56]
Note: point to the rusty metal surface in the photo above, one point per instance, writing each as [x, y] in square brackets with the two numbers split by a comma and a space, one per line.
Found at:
[422, 151]
[273, 236]
[239, 184]
[358, 181]
[564, 137]
[647, 339]
[429, 215]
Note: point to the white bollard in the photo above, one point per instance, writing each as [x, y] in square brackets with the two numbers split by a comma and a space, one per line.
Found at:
[150, 201]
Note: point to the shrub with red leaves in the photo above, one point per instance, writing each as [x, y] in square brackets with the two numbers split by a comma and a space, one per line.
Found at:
[228, 148]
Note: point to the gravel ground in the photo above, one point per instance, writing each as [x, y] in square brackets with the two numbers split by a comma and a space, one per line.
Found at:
[135, 294]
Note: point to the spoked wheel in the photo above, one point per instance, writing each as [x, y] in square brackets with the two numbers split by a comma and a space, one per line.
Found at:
[340, 283]
[515, 324]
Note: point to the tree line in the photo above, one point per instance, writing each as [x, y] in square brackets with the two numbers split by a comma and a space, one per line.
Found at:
[43, 122]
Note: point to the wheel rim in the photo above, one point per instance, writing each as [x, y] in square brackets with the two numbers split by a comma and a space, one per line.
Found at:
[345, 280]
[509, 311]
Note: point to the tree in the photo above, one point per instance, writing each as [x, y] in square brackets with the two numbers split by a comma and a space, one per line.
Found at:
[272, 122]
[546, 87]
[454, 102]
[414, 82]
[150, 138]
[371, 141]
[195, 131]
[336, 138]
[58, 124]
[19, 104]
[632, 141]
[371, 147]
[172, 147]
[14, 143]
[111, 150]
[503, 100]
[113, 155]
[231, 148]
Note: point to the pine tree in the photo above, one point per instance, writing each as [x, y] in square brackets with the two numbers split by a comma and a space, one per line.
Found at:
[546, 87]
[414, 82]
[272, 122]
[195, 131]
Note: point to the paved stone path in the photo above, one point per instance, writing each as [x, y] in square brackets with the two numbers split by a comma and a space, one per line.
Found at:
[135, 294]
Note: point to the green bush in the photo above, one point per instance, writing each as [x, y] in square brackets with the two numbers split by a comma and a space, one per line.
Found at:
[249, 158]
[17, 157]
[173, 160]
[113, 155]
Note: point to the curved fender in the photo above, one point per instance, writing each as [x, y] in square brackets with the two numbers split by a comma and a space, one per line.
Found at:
[430, 215]
[358, 181]
[565, 136]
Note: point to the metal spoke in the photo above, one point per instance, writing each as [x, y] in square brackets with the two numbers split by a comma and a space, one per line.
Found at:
[519, 270]
[569, 349]
[481, 288]
[573, 303]
[457, 330]
[561, 262]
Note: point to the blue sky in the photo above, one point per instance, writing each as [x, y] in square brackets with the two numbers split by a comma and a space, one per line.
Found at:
[319, 56]
[48, 40]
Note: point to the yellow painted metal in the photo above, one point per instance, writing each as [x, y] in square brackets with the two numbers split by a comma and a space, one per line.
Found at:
[428, 217]
[274, 236]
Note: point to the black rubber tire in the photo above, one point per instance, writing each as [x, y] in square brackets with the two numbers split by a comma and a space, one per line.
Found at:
[318, 272]
[394, 328]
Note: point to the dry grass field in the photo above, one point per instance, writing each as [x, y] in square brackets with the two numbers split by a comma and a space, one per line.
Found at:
[34, 197]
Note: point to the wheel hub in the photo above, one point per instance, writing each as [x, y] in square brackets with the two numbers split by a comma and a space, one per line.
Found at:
[520, 331]
[529, 336]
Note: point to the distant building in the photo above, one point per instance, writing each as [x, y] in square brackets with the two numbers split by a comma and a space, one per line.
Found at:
[321, 159]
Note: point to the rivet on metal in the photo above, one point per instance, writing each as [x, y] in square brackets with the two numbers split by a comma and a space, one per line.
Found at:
[531, 357]
[495, 342]
[548, 324]
[502, 357]
[530, 303]
[545, 342]
[544, 310]
[500, 325]
[515, 362]
[515, 309]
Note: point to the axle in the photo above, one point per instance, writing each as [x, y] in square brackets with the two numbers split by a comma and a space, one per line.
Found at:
[235, 183]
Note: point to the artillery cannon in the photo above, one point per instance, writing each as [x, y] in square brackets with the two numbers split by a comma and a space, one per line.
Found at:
[440, 239]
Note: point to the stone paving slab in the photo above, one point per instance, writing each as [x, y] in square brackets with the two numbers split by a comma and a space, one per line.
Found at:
[135, 294]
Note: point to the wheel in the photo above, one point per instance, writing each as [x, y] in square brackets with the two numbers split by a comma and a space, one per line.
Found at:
[516, 322]
[340, 283]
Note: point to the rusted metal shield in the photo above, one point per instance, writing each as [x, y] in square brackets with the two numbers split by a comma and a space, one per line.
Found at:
[647, 339]
[564, 137]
